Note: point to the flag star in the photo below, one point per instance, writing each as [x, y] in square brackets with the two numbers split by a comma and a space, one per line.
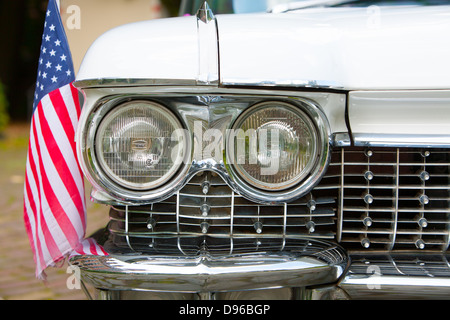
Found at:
[63, 57]
[52, 53]
[69, 72]
[44, 75]
[58, 67]
[41, 61]
[54, 79]
[39, 74]
[49, 64]
[47, 38]
[48, 13]
[44, 50]
[52, 28]
[42, 87]
[57, 43]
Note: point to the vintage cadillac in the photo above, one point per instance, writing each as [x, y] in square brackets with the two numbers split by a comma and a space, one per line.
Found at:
[290, 150]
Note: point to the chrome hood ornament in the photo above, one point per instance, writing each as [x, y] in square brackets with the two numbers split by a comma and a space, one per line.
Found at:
[205, 13]
[208, 51]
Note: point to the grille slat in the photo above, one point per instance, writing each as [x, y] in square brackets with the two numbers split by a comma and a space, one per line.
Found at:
[378, 199]
[404, 193]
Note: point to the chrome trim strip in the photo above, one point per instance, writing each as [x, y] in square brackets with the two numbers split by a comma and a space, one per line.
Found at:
[294, 83]
[114, 82]
[204, 273]
[119, 82]
[401, 140]
[396, 205]
[385, 287]
[341, 140]
[340, 219]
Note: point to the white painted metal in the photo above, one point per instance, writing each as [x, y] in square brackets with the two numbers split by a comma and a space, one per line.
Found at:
[421, 115]
[155, 49]
[405, 47]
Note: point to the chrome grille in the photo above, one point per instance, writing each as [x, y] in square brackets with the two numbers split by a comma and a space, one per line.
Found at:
[394, 198]
[207, 213]
[434, 265]
[369, 199]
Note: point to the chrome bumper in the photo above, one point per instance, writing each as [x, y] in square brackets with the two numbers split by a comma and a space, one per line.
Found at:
[205, 273]
[396, 287]
[327, 274]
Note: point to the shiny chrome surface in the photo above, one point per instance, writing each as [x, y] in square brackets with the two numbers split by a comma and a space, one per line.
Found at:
[313, 263]
[314, 175]
[402, 140]
[406, 275]
[394, 268]
[199, 114]
[114, 82]
[404, 192]
[208, 54]
[379, 198]
[220, 220]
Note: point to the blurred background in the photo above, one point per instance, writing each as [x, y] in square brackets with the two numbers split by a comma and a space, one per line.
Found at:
[21, 23]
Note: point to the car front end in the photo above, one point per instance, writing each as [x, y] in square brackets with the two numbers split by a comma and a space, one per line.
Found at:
[292, 155]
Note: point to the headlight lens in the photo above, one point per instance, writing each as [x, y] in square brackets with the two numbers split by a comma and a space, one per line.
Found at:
[140, 145]
[274, 146]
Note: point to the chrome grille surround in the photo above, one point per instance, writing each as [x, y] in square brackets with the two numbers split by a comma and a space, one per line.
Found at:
[390, 208]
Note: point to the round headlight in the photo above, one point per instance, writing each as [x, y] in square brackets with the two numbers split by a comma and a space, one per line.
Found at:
[274, 146]
[138, 145]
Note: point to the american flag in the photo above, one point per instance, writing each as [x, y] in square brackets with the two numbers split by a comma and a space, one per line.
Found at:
[54, 201]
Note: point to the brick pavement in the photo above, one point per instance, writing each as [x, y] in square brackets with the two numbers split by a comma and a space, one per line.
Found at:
[17, 273]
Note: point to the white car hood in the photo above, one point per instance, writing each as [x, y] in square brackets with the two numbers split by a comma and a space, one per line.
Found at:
[344, 48]
[351, 48]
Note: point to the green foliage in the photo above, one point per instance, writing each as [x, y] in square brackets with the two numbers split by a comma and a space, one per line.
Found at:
[4, 117]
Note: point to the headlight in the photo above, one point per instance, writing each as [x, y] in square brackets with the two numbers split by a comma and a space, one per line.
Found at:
[274, 146]
[138, 145]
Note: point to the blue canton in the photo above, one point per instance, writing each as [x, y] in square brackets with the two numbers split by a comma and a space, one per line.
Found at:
[55, 62]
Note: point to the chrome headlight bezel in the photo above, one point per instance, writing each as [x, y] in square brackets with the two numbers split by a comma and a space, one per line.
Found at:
[102, 181]
[307, 180]
[215, 111]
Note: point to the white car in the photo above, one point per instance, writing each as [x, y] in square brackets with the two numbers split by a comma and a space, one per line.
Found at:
[272, 149]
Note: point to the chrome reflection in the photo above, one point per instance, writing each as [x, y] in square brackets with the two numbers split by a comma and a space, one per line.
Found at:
[313, 263]
[206, 120]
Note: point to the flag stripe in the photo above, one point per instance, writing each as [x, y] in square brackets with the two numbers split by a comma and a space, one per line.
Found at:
[57, 101]
[35, 216]
[48, 171]
[54, 199]
[42, 221]
[70, 96]
[30, 221]
[75, 101]
[48, 250]
[62, 156]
